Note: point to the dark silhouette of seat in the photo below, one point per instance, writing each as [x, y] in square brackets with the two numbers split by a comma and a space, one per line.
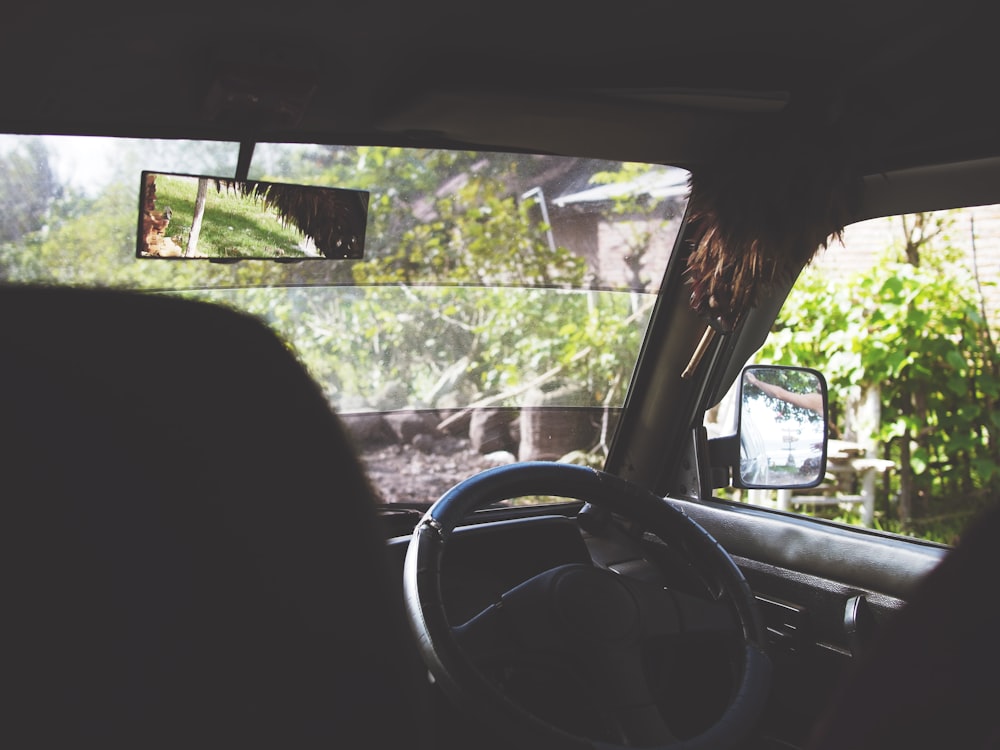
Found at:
[930, 678]
[189, 552]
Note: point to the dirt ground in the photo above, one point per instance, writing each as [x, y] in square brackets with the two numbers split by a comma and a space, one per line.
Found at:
[402, 473]
[415, 457]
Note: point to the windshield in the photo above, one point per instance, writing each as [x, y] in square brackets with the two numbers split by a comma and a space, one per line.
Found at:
[496, 314]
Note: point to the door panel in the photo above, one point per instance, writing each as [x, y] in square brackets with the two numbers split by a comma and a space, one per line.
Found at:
[824, 590]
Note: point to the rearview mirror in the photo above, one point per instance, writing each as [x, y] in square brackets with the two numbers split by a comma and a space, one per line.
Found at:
[197, 216]
[782, 428]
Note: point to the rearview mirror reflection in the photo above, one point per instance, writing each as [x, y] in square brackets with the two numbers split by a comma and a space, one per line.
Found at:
[197, 216]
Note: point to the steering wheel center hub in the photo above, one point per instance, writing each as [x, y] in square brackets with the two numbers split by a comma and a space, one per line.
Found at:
[594, 605]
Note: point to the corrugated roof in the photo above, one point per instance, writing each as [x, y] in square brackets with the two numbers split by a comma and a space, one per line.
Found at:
[665, 182]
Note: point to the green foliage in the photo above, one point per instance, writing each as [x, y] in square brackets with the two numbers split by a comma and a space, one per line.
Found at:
[917, 334]
[478, 300]
[478, 235]
[477, 288]
[461, 297]
[88, 238]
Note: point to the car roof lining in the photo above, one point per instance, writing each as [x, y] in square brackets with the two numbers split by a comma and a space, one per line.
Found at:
[931, 188]
[907, 80]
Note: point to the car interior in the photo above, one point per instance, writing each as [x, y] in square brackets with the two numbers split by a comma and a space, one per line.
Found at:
[194, 553]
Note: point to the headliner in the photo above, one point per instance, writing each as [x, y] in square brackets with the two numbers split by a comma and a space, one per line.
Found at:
[904, 82]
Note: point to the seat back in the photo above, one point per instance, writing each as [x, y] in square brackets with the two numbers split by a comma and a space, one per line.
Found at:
[929, 678]
[189, 551]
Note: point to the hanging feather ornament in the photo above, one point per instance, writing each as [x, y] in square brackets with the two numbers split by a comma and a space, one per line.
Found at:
[760, 216]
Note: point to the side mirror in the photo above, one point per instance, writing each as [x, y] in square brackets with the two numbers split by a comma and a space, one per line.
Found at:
[782, 428]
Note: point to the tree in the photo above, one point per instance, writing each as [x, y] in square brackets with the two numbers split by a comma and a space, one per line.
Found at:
[640, 215]
[28, 188]
[199, 215]
[466, 263]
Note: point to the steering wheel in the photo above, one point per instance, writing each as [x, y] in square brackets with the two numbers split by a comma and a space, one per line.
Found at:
[598, 615]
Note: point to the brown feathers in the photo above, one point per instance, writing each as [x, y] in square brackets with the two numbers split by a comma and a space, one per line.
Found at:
[759, 217]
[154, 226]
[333, 219]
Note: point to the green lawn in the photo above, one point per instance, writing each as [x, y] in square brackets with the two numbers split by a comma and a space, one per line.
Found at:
[232, 227]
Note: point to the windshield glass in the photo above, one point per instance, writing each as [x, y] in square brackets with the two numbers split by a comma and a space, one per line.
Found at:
[497, 313]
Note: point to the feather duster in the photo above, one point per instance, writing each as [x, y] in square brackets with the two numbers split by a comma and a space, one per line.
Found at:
[333, 219]
[759, 217]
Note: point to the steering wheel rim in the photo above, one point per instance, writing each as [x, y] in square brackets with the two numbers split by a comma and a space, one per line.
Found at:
[465, 684]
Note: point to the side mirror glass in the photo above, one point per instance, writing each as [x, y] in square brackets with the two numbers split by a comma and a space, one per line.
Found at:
[782, 428]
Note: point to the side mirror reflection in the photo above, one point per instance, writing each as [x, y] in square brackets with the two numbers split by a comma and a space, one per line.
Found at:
[782, 427]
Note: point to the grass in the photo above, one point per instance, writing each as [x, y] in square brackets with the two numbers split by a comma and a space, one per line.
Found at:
[232, 227]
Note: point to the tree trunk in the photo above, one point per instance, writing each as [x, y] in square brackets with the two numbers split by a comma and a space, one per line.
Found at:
[199, 213]
[905, 483]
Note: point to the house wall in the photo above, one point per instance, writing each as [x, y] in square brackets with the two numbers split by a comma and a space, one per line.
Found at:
[579, 231]
[617, 241]
[608, 242]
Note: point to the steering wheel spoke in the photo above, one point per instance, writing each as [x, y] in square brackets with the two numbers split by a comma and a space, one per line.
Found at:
[485, 637]
[619, 680]
[520, 622]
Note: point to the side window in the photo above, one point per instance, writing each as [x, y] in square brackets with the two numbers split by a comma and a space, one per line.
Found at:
[902, 320]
